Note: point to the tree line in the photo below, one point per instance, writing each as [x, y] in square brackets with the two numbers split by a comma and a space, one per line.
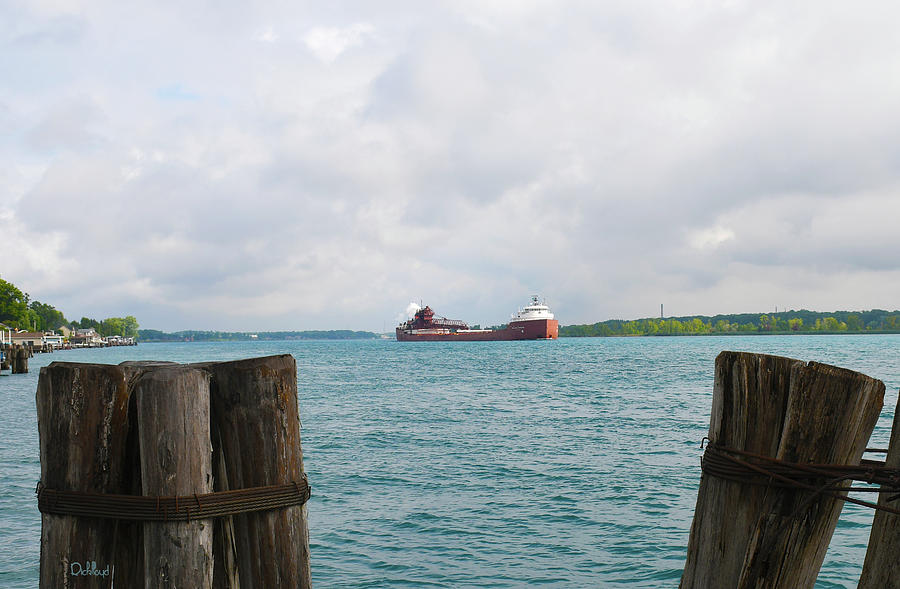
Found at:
[18, 311]
[153, 335]
[802, 321]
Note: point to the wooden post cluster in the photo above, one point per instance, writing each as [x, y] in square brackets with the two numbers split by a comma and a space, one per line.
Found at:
[18, 359]
[158, 429]
[763, 536]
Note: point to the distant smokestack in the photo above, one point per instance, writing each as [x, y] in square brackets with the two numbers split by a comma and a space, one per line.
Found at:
[660, 310]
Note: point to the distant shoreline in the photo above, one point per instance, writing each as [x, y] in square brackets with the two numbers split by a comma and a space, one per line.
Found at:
[780, 323]
[154, 336]
[802, 322]
[375, 336]
[740, 333]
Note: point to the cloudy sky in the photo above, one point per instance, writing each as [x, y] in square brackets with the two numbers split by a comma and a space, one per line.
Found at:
[319, 165]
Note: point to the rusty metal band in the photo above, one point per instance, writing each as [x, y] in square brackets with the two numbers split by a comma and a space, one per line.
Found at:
[826, 479]
[172, 508]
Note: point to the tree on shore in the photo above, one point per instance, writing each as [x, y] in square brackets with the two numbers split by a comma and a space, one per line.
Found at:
[86, 323]
[121, 326]
[50, 318]
[18, 311]
[802, 321]
[14, 310]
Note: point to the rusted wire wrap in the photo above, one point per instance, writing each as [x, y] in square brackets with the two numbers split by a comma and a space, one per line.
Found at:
[172, 508]
[827, 479]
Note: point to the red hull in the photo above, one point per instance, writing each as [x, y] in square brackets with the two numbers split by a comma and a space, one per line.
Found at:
[516, 330]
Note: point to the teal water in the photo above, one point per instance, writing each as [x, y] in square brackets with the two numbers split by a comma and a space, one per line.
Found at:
[570, 463]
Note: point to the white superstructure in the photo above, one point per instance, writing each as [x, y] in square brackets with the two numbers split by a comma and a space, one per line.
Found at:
[536, 310]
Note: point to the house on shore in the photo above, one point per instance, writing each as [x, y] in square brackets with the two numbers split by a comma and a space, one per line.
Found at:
[86, 338]
[39, 340]
[34, 339]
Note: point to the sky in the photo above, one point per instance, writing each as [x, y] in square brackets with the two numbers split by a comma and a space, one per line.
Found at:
[319, 165]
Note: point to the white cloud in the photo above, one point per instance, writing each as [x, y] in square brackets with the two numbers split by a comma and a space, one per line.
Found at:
[710, 238]
[328, 43]
[39, 255]
[609, 156]
[267, 35]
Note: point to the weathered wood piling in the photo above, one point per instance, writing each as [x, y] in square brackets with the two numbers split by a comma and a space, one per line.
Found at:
[18, 358]
[881, 569]
[156, 474]
[84, 415]
[272, 546]
[176, 459]
[752, 526]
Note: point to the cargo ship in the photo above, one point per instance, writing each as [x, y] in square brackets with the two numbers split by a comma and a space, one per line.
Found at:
[535, 321]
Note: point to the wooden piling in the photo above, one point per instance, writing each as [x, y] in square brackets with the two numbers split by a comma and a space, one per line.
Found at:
[225, 567]
[255, 415]
[762, 536]
[84, 418]
[881, 569]
[176, 459]
[19, 359]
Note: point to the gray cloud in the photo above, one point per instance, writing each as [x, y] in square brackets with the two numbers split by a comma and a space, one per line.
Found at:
[272, 168]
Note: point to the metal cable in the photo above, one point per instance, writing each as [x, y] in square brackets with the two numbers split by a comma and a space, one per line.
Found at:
[172, 508]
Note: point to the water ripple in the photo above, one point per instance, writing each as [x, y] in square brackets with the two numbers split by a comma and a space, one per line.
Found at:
[572, 463]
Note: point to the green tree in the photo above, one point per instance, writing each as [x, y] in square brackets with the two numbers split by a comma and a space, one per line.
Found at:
[671, 326]
[50, 318]
[795, 324]
[121, 326]
[87, 322]
[111, 326]
[854, 323]
[698, 325]
[13, 306]
[832, 324]
[131, 326]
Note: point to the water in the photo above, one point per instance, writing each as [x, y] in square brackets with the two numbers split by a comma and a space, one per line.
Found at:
[572, 463]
